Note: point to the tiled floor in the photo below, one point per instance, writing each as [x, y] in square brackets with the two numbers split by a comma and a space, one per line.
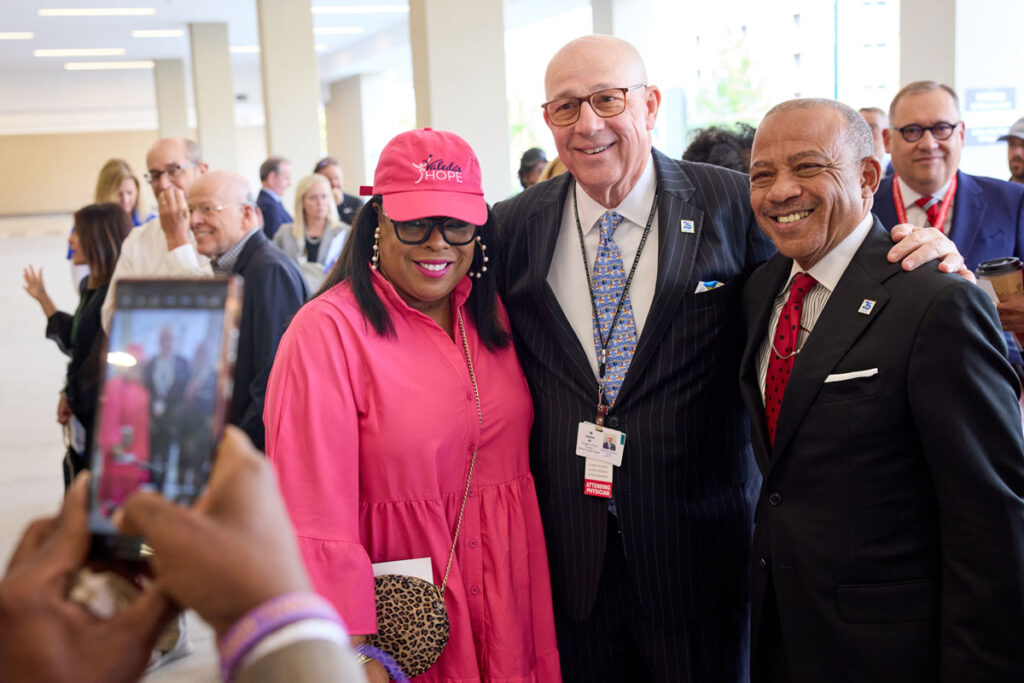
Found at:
[33, 369]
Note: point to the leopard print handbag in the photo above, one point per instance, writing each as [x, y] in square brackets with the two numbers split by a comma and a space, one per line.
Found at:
[412, 621]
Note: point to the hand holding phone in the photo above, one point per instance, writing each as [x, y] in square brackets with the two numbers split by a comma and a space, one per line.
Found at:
[44, 635]
[233, 550]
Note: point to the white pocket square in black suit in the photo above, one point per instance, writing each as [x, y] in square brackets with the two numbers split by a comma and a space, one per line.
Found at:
[856, 374]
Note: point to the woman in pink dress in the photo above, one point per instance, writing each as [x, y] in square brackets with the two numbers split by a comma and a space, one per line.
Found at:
[373, 419]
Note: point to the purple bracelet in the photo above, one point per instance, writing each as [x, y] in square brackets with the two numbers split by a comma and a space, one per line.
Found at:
[263, 620]
[384, 658]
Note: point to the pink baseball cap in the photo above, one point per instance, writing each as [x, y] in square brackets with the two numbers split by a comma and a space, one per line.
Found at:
[423, 173]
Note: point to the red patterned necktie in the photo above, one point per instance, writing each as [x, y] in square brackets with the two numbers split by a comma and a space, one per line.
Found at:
[931, 206]
[784, 350]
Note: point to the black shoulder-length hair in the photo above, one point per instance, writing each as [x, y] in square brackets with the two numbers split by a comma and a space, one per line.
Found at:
[354, 265]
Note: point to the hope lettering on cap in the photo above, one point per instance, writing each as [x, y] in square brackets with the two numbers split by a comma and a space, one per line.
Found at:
[437, 169]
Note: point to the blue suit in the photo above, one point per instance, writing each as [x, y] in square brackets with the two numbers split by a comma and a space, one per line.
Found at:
[274, 213]
[988, 217]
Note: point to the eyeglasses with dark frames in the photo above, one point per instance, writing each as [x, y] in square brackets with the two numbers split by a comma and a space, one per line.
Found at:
[172, 171]
[455, 232]
[565, 111]
[914, 132]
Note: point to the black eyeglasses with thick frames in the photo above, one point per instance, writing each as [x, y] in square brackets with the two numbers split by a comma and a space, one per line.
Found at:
[455, 232]
[565, 111]
[914, 132]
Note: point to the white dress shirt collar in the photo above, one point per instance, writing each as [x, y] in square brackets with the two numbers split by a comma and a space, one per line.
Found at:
[831, 267]
[636, 207]
[910, 196]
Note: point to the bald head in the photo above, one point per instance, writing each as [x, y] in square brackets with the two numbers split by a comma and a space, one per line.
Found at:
[221, 211]
[606, 155]
[174, 161]
[590, 54]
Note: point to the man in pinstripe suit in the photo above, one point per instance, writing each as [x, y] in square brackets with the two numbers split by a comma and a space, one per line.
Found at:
[653, 586]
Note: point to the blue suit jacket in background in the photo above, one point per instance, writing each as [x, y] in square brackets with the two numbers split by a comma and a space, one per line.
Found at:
[274, 213]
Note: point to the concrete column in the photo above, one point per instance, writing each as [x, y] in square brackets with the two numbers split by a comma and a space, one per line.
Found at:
[214, 94]
[458, 62]
[171, 100]
[928, 39]
[291, 96]
[345, 131]
[632, 20]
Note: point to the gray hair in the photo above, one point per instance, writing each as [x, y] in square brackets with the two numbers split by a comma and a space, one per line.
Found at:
[856, 130]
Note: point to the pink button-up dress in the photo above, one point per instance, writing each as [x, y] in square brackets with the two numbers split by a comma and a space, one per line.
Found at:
[372, 437]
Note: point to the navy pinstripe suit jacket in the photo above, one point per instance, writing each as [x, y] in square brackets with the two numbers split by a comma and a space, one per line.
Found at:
[684, 490]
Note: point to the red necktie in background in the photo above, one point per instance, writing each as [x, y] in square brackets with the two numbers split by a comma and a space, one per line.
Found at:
[784, 350]
[931, 206]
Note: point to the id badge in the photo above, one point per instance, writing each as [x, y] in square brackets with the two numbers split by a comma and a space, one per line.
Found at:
[605, 445]
[603, 450]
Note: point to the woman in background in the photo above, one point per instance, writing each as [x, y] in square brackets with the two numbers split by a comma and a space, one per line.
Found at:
[96, 242]
[316, 226]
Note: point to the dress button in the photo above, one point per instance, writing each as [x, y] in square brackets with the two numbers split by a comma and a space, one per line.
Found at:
[475, 590]
[469, 395]
[472, 447]
[473, 543]
[763, 562]
[613, 422]
[472, 492]
[775, 498]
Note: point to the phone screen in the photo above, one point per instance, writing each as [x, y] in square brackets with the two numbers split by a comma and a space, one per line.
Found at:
[166, 387]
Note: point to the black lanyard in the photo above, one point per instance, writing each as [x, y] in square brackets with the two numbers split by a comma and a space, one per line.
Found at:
[629, 279]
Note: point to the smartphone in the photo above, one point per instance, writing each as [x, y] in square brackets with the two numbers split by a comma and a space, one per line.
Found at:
[166, 390]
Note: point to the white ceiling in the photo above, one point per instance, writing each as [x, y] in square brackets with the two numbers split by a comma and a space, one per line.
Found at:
[39, 95]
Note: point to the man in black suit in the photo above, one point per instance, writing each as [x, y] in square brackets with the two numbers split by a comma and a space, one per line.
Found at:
[165, 377]
[276, 176]
[348, 204]
[224, 223]
[889, 537]
[652, 583]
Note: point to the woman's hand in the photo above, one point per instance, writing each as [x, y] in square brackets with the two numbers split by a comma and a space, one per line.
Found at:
[34, 283]
[37, 290]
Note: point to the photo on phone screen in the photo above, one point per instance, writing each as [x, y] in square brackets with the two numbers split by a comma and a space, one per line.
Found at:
[166, 388]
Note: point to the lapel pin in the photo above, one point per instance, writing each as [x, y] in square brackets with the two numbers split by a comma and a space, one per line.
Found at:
[686, 226]
[866, 307]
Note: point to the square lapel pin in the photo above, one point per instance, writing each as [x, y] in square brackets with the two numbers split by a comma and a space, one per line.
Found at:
[866, 307]
[686, 226]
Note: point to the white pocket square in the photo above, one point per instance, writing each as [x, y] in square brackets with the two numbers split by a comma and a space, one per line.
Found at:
[856, 374]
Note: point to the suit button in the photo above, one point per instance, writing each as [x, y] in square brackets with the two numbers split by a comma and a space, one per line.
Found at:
[763, 562]
[775, 499]
[613, 422]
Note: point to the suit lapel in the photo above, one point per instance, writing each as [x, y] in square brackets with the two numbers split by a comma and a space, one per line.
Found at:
[760, 294]
[968, 214]
[251, 245]
[542, 228]
[836, 330]
[676, 254]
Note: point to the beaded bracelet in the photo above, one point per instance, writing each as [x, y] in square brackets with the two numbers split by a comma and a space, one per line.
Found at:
[367, 651]
[263, 620]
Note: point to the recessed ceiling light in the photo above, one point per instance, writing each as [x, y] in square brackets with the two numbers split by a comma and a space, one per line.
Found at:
[83, 52]
[107, 66]
[244, 49]
[17, 35]
[361, 9]
[338, 30]
[99, 12]
[159, 33]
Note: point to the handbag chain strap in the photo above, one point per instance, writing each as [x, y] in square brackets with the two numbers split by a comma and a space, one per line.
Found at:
[472, 463]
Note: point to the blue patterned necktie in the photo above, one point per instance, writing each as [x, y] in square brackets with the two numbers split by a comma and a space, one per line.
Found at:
[609, 281]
